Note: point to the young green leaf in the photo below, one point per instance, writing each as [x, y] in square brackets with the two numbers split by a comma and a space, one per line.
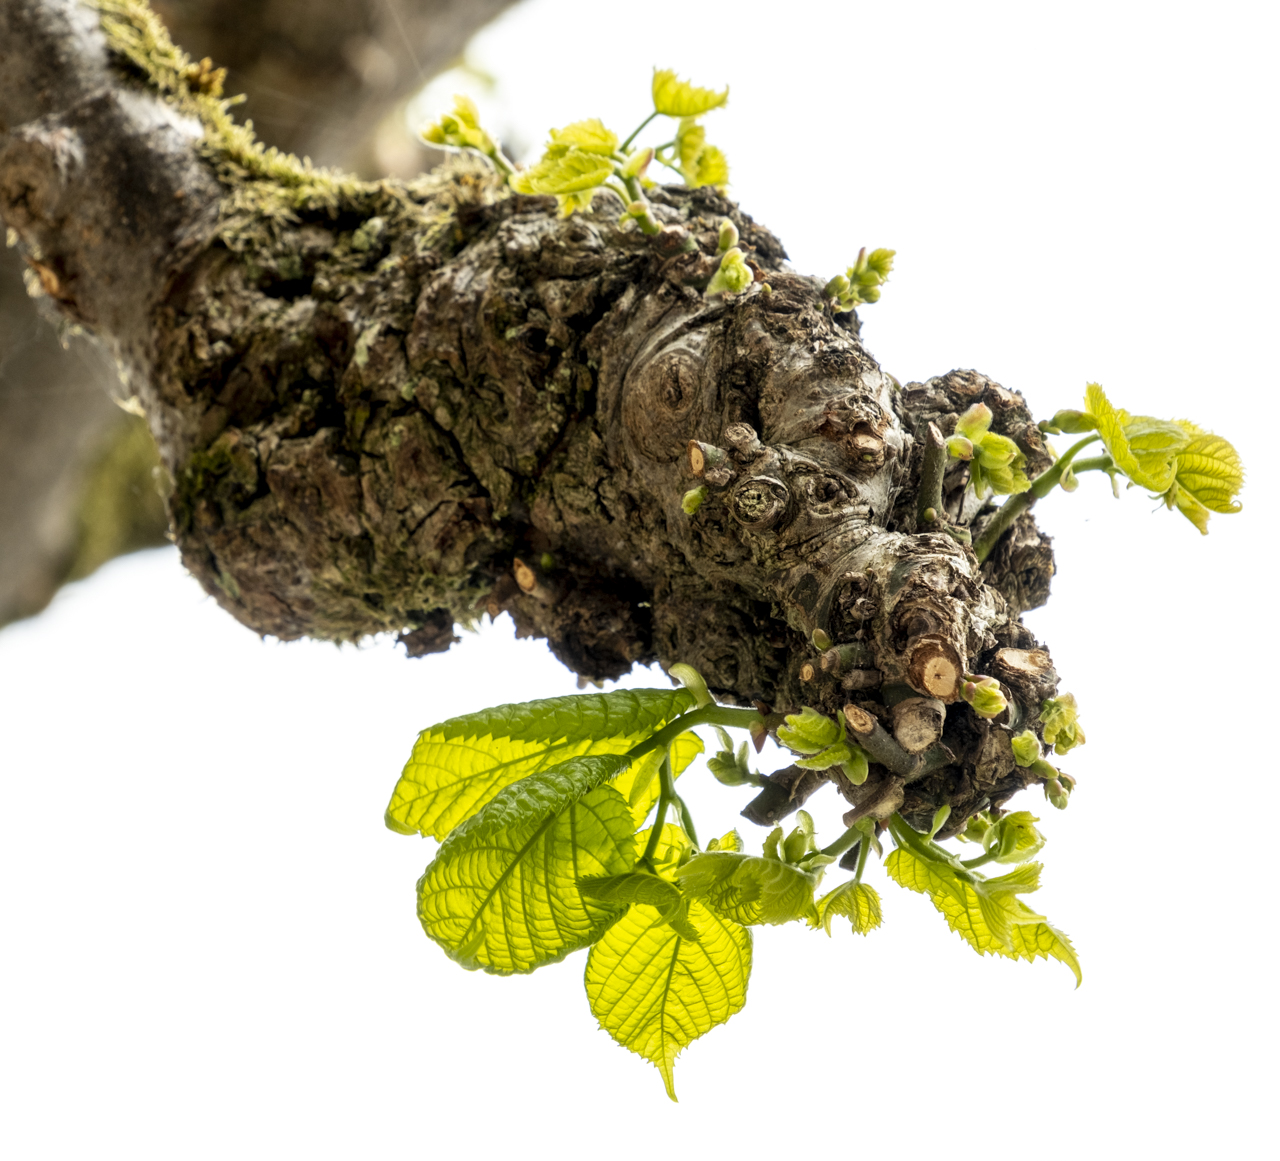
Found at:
[676, 98]
[502, 892]
[859, 903]
[590, 136]
[732, 276]
[1207, 477]
[1061, 718]
[673, 846]
[749, 889]
[459, 765]
[809, 732]
[1143, 448]
[572, 172]
[1014, 838]
[986, 913]
[655, 992]
[620, 891]
[461, 128]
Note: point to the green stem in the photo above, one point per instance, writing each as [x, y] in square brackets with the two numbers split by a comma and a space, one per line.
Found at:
[666, 793]
[1015, 506]
[980, 861]
[862, 859]
[707, 715]
[1094, 464]
[843, 843]
[502, 163]
[639, 128]
[927, 849]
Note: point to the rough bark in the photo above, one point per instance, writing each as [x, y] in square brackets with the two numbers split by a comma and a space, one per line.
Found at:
[319, 80]
[374, 399]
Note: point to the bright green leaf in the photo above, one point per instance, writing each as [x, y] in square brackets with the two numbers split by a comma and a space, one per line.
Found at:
[655, 992]
[709, 166]
[859, 903]
[986, 913]
[1208, 475]
[459, 765]
[809, 732]
[572, 172]
[1144, 449]
[732, 276]
[502, 892]
[673, 845]
[1014, 838]
[732, 841]
[749, 889]
[676, 98]
[590, 136]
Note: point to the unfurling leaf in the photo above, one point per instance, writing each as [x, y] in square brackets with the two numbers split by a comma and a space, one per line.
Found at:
[862, 281]
[732, 841]
[809, 732]
[459, 765]
[655, 992]
[570, 204]
[733, 276]
[1026, 748]
[662, 895]
[1060, 718]
[750, 889]
[1143, 448]
[672, 849]
[676, 98]
[502, 892]
[461, 128]
[857, 902]
[986, 913]
[985, 696]
[572, 172]
[590, 136]
[1014, 838]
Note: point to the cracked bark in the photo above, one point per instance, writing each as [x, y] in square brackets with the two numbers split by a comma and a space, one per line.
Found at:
[373, 405]
[321, 79]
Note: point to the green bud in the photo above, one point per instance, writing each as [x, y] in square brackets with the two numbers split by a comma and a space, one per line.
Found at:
[1060, 716]
[985, 697]
[1014, 838]
[1067, 781]
[856, 766]
[809, 732]
[692, 499]
[975, 422]
[728, 235]
[637, 163]
[960, 447]
[1056, 793]
[821, 640]
[724, 767]
[1068, 482]
[838, 286]
[1073, 422]
[733, 275]
[1026, 748]
[940, 817]
[976, 828]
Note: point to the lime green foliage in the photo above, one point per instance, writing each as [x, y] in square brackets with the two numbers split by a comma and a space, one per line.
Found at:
[673, 97]
[1192, 470]
[458, 766]
[985, 696]
[692, 500]
[862, 281]
[461, 130]
[732, 276]
[545, 809]
[1026, 748]
[821, 740]
[995, 463]
[656, 992]
[986, 913]
[1060, 719]
[855, 901]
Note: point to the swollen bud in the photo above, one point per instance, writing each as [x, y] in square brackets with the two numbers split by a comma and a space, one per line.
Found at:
[985, 697]
[959, 447]
[821, 640]
[1073, 422]
[1056, 793]
[1026, 748]
[728, 235]
[692, 499]
[974, 423]
[1069, 482]
[733, 275]
[637, 163]
[1060, 716]
[836, 287]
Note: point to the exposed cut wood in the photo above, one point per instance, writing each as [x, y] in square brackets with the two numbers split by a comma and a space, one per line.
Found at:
[918, 722]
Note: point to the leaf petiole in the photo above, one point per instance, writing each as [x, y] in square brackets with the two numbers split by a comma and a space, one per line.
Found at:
[637, 131]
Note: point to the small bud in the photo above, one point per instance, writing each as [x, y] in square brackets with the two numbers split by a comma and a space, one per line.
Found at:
[759, 735]
[974, 423]
[1056, 794]
[1060, 716]
[930, 515]
[1073, 422]
[637, 163]
[821, 640]
[985, 697]
[836, 287]
[1026, 748]
[1067, 781]
[1014, 838]
[733, 275]
[940, 817]
[728, 235]
[547, 562]
[1068, 482]
[724, 767]
[693, 681]
[975, 830]
[692, 500]
[960, 447]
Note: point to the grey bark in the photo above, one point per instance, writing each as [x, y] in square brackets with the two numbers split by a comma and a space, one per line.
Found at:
[373, 403]
[320, 78]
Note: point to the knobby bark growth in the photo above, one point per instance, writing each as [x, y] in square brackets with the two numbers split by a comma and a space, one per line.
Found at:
[390, 407]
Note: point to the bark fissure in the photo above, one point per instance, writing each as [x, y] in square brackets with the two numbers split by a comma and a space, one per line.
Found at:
[372, 405]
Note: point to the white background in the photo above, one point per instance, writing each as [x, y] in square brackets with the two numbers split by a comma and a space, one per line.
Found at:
[210, 941]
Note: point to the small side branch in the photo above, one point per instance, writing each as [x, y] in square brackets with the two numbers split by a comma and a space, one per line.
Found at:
[929, 514]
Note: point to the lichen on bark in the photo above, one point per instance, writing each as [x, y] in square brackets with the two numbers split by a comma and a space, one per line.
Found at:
[374, 399]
